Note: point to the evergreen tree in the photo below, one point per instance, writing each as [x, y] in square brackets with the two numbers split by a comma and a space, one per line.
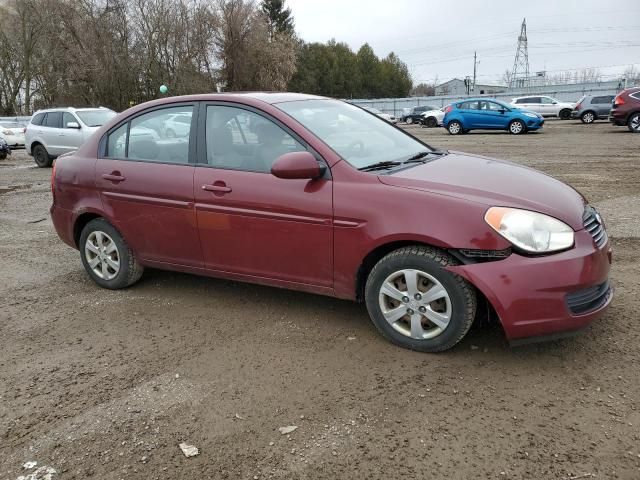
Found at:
[279, 18]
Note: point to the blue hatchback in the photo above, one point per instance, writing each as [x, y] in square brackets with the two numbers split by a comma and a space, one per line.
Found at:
[489, 114]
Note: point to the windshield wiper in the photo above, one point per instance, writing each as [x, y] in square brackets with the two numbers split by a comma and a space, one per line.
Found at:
[380, 166]
[421, 155]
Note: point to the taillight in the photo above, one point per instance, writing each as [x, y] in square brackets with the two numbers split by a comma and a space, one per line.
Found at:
[619, 100]
[24, 130]
[448, 109]
[53, 176]
[578, 106]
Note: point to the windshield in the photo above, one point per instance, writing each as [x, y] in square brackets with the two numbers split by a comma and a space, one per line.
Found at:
[95, 118]
[358, 137]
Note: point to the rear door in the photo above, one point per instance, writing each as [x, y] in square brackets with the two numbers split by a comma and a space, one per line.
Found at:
[602, 105]
[50, 128]
[470, 114]
[146, 183]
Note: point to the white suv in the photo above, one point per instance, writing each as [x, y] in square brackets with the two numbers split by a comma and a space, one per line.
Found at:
[545, 106]
[55, 131]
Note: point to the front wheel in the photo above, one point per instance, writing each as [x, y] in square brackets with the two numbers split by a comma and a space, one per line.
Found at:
[516, 127]
[565, 114]
[106, 256]
[416, 303]
[455, 127]
[409, 120]
[431, 122]
[634, 123]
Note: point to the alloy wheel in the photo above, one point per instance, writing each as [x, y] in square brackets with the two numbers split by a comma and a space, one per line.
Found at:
[454, 128]
[102, 255]
[588, 117]
[634, 123]
[516, 127]
[415, 304]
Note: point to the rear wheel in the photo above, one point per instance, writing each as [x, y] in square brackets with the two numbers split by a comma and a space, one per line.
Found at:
[416, 303]
[588, 117]
[41, 156]
[565, 114]
[516, 127]
[634, 123]
[455, 127]
[409, 120]
[106, 256]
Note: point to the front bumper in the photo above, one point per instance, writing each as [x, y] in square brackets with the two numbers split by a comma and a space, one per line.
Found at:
[530, 294]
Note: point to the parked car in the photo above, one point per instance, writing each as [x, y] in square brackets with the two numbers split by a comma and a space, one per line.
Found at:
[56, 131]
[592, 107]
[626, 109]
[480, 113]
[178, 125]
[388, 117]
[415, 114]
[4, 149]
[432, 118]
[353, 209]
[545, 106]
[12, 133]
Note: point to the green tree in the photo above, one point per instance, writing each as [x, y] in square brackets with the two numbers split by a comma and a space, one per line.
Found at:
[279, 19]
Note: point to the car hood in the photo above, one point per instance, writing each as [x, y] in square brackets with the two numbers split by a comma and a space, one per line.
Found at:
[493, 183]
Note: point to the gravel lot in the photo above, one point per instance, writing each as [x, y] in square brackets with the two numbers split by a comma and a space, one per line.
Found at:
[103, 384]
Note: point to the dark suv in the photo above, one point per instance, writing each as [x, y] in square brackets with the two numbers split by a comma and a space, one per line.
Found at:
[593, 107]
[626, 109]
[414, 115]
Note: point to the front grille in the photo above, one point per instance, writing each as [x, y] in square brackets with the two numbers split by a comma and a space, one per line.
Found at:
[588, 299]
[593, 224]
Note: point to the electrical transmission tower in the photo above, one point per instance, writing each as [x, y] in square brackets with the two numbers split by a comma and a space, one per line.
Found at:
[520, 71]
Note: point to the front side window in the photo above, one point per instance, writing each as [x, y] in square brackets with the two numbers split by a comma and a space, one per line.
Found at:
[359, 138]
[53, 120]
[68, 118]
[240, 139]
[492, 106]
[547, 100]
[149, 138]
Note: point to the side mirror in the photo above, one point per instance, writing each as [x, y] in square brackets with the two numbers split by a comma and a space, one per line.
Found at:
[297, 165]
[502, 110]
[73, 125]
[554, 102]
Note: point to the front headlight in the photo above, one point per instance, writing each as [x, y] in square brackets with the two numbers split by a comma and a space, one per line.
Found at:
[531, 231]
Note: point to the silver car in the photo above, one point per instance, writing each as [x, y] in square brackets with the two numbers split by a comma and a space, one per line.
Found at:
[592, 107]
[55, 131]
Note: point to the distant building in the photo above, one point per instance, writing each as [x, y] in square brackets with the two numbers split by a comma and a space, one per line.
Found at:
[455, 86]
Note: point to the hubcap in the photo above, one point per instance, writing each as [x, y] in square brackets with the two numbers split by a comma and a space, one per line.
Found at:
[102, 255]
[588, 117]
[415, 304]
[454, 128]
[635, 122]
[516, 127]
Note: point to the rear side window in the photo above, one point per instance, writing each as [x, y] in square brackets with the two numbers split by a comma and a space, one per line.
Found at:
[635, 95]
[154, 136]
[603, 99]
[468, 106]
[53, 120]
[37, 118]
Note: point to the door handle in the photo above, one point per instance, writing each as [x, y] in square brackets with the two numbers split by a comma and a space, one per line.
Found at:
[217, 188]
[113, 177]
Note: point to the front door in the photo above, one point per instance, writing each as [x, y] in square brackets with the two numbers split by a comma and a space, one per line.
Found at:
[251, 222]
[146, 183]
[492, 115]
[70, 138]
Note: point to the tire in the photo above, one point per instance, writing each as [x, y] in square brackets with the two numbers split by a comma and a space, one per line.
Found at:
[41, 156]
[588, 117]
[431, 122]
[100, 232]
[517, 127]
[633, 124]
[455, 127]
[3, 155]
[409, 120]
[415, 330]
[565, 114]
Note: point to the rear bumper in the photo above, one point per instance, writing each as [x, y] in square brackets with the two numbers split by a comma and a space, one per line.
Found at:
[618, 118]
[530, 294]
[63, 221]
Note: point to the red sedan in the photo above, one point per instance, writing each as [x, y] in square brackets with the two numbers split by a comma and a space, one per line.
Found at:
[314, 194]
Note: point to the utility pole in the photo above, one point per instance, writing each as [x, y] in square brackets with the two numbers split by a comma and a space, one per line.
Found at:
[474, 71]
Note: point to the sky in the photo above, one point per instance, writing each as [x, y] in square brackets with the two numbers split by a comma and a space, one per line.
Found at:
[437, 39]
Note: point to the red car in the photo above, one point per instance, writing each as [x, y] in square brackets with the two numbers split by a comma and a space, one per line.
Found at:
[315, 194]
[626, 109]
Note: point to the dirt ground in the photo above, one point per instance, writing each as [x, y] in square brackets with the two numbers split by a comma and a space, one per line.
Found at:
[104, 384]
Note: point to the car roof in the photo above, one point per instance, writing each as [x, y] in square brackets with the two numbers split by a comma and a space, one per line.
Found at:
[70, 109]
[266, 97]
